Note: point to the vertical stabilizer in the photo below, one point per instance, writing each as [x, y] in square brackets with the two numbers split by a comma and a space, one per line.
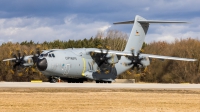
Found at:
[137, 35]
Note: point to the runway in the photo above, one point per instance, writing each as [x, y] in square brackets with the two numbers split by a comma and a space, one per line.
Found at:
[94, 85]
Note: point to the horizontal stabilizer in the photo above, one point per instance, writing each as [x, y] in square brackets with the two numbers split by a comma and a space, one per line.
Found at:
[149, 21]
[125, 22]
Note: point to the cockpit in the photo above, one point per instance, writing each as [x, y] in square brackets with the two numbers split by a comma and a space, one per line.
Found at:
[47, 54]
[42, 61]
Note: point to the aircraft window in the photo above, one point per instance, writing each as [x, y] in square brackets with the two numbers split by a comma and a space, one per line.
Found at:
[45, 55]
[50, 55]
[53, 55]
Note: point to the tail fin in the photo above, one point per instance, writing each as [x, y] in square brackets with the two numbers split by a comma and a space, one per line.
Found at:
[139, 31]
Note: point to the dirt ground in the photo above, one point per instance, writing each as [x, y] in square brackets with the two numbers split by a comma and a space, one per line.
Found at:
[98, 100]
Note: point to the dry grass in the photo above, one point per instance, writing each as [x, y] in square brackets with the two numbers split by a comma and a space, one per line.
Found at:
[95, 100]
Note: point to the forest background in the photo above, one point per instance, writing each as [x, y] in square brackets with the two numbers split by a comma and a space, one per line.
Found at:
[160, 71]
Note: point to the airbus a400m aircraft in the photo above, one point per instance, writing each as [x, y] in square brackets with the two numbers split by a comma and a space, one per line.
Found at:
[101, 65]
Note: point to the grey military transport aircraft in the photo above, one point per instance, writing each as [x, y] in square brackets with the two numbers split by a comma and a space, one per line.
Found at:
[102, 65]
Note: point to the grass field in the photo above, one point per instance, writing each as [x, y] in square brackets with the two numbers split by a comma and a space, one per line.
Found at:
[97, 100]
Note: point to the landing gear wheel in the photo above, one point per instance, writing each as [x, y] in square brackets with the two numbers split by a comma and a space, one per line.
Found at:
[100, 81]
[53, 80]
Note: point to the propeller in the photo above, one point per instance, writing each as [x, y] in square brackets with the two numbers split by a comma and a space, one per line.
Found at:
[35, 56]
[135, 60]
[103, 59]
[19, 61]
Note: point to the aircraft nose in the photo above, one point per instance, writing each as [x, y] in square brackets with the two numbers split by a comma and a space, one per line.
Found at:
[42, 64]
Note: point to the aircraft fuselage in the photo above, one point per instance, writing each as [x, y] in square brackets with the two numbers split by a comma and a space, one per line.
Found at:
[73, 63]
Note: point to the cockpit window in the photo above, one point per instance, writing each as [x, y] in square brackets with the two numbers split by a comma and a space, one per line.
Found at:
[53, 55]
[43, 55]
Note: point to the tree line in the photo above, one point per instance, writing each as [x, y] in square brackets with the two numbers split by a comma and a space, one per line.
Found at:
[162, 71]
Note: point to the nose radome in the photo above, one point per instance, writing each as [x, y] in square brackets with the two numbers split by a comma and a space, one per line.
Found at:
[42, 64]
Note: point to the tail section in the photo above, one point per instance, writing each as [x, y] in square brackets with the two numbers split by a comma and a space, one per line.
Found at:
[139, 30]
[137, 35]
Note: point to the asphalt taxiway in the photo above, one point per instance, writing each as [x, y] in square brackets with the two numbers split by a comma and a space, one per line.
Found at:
[98, 85]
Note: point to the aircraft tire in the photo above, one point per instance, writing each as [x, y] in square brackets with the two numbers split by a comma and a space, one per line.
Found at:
[53, 80]
[97, 81]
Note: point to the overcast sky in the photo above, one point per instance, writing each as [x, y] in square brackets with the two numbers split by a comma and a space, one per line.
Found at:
[48, 20]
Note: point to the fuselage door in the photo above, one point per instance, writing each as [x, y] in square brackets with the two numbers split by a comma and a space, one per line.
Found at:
[66, 69]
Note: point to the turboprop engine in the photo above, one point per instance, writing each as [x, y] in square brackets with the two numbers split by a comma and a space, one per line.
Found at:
[145, 61]
[137, 60]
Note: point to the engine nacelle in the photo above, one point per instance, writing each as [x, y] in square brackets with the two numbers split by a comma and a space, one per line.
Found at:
[145, 61]
[28, 61]
[113, 59]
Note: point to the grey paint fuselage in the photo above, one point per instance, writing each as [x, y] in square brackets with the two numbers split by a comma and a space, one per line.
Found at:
[74, 62]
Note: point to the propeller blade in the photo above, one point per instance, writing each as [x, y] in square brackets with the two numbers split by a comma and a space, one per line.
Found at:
[38, 51]
[102, 53]
[22, 59]
[34, 58]
[132, 67]
[19, 55]
[130, 63]
[138, 67]
[107, 58]
[132, 51]
[14, 66]
[15, 56]
[106, 52]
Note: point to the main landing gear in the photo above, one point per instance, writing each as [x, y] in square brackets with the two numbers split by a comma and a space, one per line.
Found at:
[100, 81]
[69, 80]
[54, 79]
[75, 80]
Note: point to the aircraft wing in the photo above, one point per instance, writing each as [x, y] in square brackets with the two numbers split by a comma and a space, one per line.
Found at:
[168, 57]
[11, 59]
[122, 53]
